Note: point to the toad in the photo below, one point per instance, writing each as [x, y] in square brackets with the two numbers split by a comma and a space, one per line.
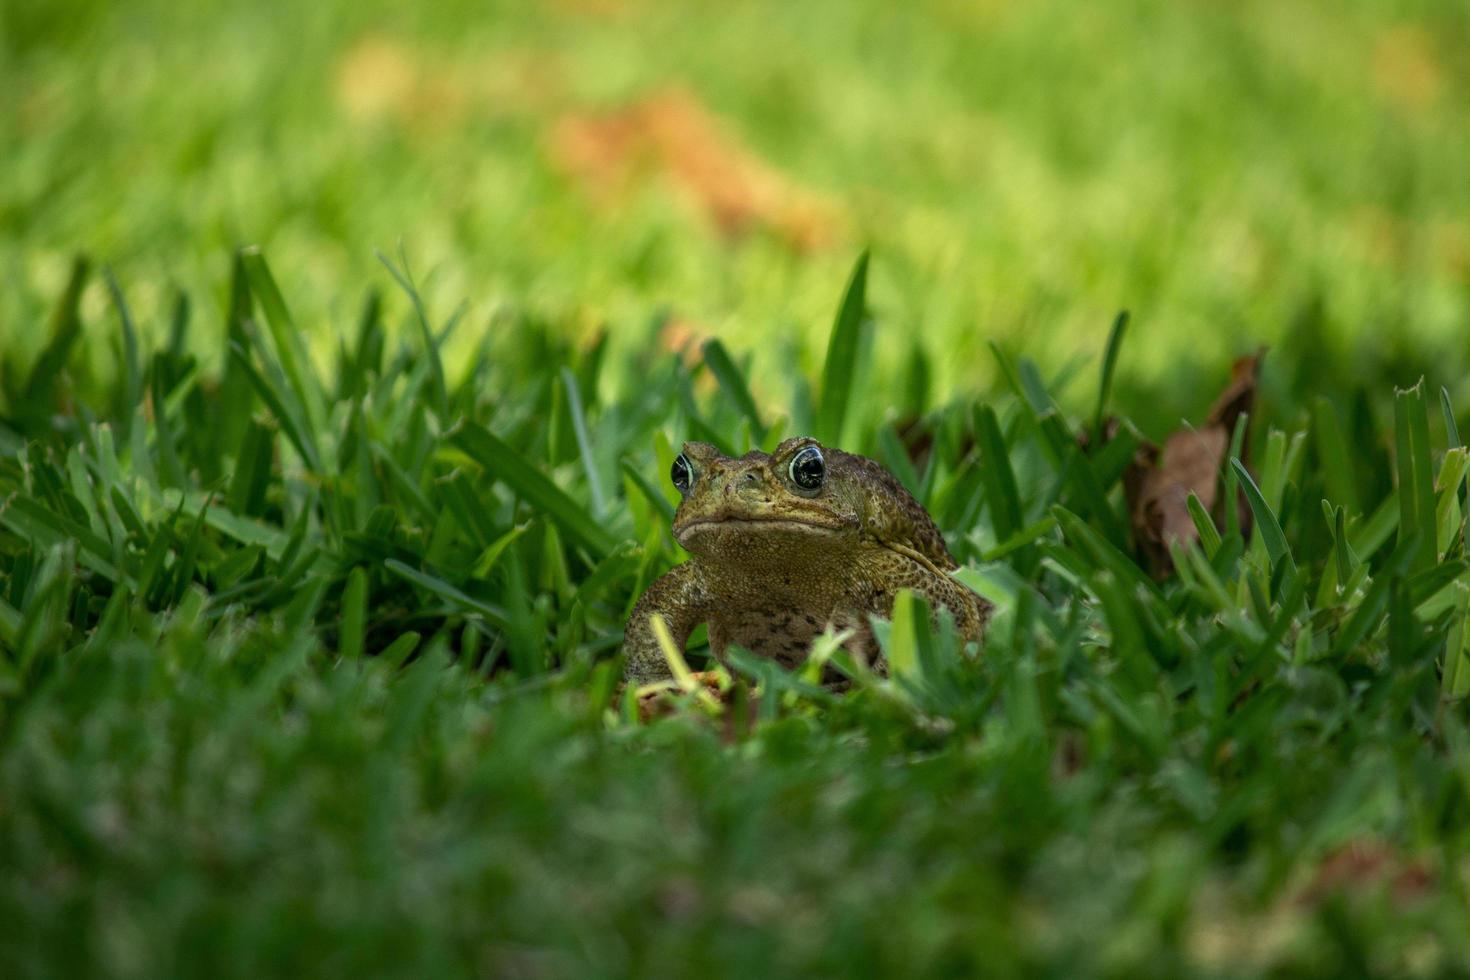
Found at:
[787, 544]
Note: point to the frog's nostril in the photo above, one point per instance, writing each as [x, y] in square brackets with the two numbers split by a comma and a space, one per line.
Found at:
[749, 479]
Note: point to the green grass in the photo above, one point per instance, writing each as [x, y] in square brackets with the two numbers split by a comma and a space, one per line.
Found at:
[1236, 174]
[315, 556]
[317, 671]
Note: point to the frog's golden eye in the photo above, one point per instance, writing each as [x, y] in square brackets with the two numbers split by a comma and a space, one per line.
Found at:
[682, 474]
[807, 469]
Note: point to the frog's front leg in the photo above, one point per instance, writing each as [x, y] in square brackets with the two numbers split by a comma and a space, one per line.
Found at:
[679, 597]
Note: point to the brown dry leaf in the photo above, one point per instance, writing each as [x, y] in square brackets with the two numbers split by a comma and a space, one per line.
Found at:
[673, 136]
[1159, 481]
[1367, 864]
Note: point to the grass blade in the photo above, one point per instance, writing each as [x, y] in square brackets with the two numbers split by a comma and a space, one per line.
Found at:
[1204, 525]
[501, 461]
[650, 492]
[1332, 454]
[457, 598]
[39, 394]
[1110, 363]
[1451, 430]
[893, 455]
[842, 356]
[1231, 497]
[1415, 479]
[1001, 491]
[1455, 679]
[404, 278]
[353, 628]
[290, 351]
[1267, 525]
[292, 424]
[732, 382]
[130, 394]
[584, 442]
[1448, 518]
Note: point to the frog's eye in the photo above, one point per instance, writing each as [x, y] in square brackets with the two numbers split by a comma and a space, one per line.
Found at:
[682, 474]
[807, 469]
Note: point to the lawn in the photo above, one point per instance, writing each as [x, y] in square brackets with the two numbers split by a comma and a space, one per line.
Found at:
[346, 348]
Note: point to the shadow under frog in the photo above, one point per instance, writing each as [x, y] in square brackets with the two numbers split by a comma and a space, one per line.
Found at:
[785, 544]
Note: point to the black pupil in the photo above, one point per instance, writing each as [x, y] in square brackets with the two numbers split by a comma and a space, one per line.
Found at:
[807, 469]
[680, 473]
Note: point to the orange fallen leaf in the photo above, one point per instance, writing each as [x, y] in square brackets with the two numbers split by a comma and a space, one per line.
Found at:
[672, 136]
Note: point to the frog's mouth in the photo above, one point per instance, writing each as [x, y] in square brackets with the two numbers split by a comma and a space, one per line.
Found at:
[689, 534]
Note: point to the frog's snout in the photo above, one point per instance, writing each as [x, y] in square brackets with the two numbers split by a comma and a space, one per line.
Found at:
[746, 485]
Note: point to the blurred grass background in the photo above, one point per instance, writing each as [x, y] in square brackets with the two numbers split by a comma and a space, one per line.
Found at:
[1258, 172]
[1255, 770]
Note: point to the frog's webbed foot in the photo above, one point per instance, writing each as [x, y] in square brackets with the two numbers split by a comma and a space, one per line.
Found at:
[659, 701]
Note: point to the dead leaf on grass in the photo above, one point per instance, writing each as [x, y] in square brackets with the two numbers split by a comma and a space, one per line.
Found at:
[1159, 481]
[1365, 865]
[671, 135]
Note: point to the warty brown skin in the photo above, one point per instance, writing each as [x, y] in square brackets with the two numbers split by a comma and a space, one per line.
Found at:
[773, 564]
